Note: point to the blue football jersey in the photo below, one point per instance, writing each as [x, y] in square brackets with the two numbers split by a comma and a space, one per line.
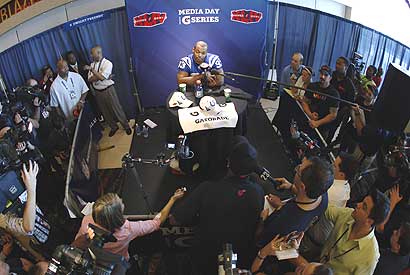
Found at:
[187, 64]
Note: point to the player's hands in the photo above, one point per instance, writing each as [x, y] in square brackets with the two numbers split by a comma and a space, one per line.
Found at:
[211, 80]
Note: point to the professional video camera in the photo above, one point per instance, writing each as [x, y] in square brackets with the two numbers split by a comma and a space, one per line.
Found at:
[19, 135]
[305, 146]
[356, 66]
[27, 94]
[95, 260]
[397, 155]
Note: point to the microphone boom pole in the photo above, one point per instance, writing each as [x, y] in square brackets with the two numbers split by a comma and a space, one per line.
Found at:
[332, 157]
[300, 88]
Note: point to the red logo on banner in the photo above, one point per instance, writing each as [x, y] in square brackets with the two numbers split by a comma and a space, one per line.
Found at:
[151, 19]
[246, 16]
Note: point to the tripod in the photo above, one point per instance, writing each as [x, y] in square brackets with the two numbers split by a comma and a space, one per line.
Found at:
[128, 168]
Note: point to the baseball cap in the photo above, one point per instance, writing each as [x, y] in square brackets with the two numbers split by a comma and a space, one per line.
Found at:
[178, 99]
[209, 106]
[242, 159]
[325, 69]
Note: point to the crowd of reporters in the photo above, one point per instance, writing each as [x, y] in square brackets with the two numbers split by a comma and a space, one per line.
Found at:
[37, 124]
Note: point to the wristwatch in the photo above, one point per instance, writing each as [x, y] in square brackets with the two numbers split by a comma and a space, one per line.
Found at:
[259, 256]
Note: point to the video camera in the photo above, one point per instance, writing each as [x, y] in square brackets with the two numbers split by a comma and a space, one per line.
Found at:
[356, 66]
[10, 157]
[27, 94]
[397, 155]
[305, 146]
[19, 133]
[94, 260]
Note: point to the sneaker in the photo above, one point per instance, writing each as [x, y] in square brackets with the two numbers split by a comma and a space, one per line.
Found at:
[112, 132]
[128, 131]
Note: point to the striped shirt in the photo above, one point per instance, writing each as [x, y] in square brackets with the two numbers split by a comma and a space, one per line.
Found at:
[12, 224]
[188, 64]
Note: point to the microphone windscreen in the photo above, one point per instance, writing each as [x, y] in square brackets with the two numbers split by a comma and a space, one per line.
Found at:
[204, 66]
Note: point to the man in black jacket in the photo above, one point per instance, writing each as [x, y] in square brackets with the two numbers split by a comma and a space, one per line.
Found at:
[228, 211]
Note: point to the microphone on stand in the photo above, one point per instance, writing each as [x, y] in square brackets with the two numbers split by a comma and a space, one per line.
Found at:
[205, 67]
[216, 72]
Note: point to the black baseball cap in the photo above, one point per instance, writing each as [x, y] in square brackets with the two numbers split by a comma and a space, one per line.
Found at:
[242, 158]
[325, 69]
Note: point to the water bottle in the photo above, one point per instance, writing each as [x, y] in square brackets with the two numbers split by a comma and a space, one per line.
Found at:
[199, 91]
[145, 131]
[138, 129]
[294, 129]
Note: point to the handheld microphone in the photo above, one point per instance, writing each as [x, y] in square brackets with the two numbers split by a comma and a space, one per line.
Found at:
[264, 174]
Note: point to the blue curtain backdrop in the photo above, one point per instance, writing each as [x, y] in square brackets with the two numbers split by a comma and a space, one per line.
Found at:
[322, 38]
[319, 36]
[26, 59]
[157, 49]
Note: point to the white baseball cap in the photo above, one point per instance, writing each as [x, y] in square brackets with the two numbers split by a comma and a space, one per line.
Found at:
[178, 99]
[209, 106]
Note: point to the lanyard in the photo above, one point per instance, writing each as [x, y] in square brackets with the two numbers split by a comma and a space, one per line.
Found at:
[65, 86]
[327, 258]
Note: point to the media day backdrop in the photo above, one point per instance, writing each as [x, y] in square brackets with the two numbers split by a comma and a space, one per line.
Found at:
[163, 31]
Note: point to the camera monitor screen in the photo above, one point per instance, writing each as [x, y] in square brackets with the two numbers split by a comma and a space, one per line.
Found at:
[10, 188]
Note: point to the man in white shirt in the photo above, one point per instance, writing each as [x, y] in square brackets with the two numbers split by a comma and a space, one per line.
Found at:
[99, 75]
[68, 91]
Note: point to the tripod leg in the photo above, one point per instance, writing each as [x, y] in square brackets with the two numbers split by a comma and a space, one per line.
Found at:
[119, 182]
[137, 179]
